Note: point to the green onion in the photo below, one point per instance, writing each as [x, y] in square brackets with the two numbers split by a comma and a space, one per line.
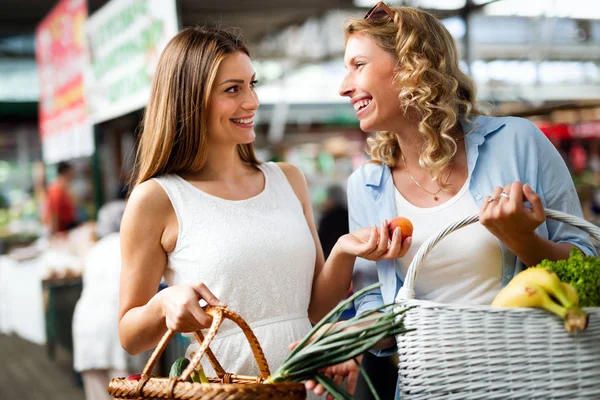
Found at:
[331, 387]
[342, 342]
[367, 380]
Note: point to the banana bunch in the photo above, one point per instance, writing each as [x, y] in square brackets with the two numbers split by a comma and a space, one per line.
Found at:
[540, 288]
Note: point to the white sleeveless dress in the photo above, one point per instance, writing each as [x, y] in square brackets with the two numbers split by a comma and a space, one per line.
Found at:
[256, 255]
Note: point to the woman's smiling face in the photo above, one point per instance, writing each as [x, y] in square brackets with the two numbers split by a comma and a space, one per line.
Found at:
[233, 101]
[368, 84]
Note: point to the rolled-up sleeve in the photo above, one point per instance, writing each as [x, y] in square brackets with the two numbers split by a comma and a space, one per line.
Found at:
[365, 271]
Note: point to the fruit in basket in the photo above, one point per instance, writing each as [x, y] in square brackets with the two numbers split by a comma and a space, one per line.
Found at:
[524, 294]
[135, 377]
[548, 281]
[571, 293]
[406, 227]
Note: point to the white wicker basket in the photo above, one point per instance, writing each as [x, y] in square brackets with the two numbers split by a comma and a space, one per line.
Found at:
[479, 352]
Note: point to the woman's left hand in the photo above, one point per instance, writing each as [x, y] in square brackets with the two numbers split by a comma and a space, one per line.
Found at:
[507, 217]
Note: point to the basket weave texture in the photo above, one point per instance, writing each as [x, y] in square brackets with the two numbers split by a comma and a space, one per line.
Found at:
[467, 352]
[225, 386]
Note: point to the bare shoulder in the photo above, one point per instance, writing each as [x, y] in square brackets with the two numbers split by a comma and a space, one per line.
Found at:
[149, 196]
[296, 179]
[294, 175]
[148, 207]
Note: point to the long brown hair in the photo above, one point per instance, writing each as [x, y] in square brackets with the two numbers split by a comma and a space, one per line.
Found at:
[174, 130]
[430, 83]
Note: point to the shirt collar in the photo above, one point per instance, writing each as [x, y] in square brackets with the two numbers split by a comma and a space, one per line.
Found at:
[476, 129]
[375, 174]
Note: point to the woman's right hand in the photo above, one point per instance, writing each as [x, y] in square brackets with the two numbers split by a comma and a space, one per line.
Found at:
[181, 308]
[347, 371]
[373, 243]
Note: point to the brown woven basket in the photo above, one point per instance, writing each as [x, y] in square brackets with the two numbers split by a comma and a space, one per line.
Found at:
[225, 386]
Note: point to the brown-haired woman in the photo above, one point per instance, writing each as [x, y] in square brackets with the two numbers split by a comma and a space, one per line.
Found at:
[212, 219]
[437, 159]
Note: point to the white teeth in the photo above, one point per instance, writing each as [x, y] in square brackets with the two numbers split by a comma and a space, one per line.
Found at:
[243, 121]
[361, 104]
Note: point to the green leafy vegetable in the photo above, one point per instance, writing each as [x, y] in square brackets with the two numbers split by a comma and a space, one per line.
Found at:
[178, 366]
[582, 272]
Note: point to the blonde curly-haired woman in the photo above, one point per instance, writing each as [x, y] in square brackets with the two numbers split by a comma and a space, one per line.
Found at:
[436, 159]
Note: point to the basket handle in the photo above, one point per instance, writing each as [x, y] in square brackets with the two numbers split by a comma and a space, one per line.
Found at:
[217, 314]
[407, 291]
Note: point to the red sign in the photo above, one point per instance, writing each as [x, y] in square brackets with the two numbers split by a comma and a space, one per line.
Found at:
[580, 130]
[60, 52]
[555, 131]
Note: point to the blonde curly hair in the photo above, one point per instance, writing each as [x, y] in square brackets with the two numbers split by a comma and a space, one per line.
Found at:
[432, 88]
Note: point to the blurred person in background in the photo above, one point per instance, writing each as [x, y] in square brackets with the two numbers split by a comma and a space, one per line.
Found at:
[594, 164]
[435, 160]
[97, 352]
[39, 186]
[216, 222]
[334, 220]
[60, 213]
[578, 158]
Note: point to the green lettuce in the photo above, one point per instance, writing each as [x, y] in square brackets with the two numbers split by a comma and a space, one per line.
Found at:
[582, 272]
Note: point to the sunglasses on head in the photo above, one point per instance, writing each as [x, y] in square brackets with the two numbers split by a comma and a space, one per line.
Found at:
[379, 10]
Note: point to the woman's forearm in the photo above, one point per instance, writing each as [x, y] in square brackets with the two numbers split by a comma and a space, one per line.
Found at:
[141, 328]
[331, 285]
[384, 343]
[532, 250]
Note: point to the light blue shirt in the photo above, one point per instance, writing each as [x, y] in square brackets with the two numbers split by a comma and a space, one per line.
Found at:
[499, 151]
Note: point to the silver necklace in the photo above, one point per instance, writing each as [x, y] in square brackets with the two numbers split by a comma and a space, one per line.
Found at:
[435, 197]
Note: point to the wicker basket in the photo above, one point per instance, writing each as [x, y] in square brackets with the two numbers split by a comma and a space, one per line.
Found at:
[224, 387]
[479, 352]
